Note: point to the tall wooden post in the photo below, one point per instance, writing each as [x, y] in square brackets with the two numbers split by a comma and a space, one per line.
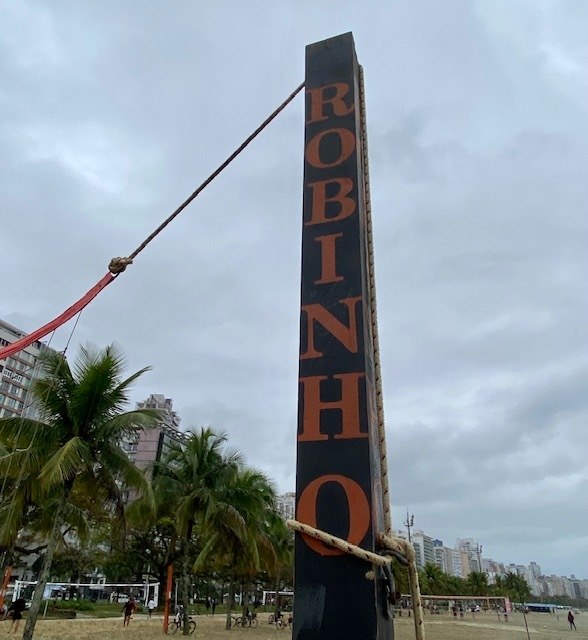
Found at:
[338, 486]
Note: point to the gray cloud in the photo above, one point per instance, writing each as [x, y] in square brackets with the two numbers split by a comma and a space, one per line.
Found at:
[110, 114]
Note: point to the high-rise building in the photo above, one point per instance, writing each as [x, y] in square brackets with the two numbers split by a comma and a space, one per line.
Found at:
[17, 374]
[150, 444]
[444, 558]
[457, 567]
[532, 575]
[165, 406]
[470, 555]
[424, 548]
[286, 505]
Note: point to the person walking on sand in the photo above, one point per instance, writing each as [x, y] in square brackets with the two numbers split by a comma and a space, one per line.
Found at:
[571, 621]
[213, 605]
[151, 606]
[128, 609]
[15, 611]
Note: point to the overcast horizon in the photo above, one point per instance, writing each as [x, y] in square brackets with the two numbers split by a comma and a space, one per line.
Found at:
[113, 112]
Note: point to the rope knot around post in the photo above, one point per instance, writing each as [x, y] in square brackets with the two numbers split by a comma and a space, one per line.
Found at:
[397, 547]
[118, 265]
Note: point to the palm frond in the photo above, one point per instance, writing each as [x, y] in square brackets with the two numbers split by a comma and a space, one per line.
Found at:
[75, 518]
[12, 514]
[206, 551]
[20, 432]
[115, 460]
[68, 461]
[126, 423]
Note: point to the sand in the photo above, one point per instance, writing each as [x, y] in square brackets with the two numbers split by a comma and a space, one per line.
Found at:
[443, 627]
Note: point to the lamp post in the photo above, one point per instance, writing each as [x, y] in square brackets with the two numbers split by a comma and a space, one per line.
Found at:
[408, 523]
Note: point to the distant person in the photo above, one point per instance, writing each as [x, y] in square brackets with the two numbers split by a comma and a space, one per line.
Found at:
[571, 621]
[151, 606]
[213, 605]
[15, 612]
[128, 609]
[207, 604]
[506, 615]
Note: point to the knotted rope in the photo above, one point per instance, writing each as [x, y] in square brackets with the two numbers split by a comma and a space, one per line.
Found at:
[120, 264]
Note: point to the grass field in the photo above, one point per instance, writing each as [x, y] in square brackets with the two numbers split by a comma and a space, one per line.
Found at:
[542, 626]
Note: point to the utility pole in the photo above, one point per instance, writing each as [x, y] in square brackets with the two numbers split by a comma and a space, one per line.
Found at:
[479, 551]
[408, 523]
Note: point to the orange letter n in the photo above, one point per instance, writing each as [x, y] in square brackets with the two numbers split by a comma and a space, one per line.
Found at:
[346, 335]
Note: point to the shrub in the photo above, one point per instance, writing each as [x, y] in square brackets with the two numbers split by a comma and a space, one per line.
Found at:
[76, 605]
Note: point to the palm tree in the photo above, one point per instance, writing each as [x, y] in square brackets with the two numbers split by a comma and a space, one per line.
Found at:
[516, 587]
[456, 585]
[188, 481]
[498, 587]
[75, 450]
[282, 541]
[236, 527]
[477, 583]
[435, 579]
[400, 576]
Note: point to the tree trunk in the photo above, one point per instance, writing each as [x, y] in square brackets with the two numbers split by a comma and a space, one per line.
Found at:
[244, 598]
[276, 606]
[231, 600]
[29, 629]
[185, 587]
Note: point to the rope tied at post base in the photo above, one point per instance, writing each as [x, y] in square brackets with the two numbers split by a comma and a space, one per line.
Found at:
[398, 546]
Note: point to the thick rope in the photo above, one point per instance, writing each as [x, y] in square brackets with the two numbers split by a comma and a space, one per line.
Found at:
[373, 319]
[398, 545]
[214, 174]
[338, 543]
[406, 549]
[118, 265]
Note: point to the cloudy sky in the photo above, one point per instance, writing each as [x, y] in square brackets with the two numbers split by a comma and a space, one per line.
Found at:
[111, 113]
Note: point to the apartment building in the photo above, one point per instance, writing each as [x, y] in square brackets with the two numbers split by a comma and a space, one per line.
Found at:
[17, 374]
[150, 444]
[286, 505]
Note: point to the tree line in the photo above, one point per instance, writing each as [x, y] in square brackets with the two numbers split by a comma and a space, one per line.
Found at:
[65, 478]
[434, 581]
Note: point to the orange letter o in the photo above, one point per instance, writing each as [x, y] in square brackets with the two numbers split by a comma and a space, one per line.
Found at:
[357, 503]
[313, 155]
